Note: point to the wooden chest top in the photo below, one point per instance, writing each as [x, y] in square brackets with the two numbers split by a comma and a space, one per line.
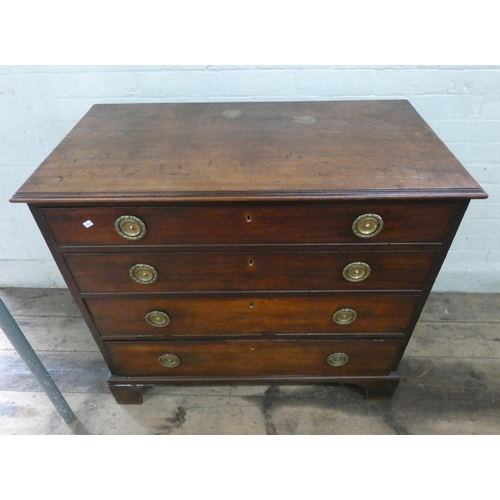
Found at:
[252, 151]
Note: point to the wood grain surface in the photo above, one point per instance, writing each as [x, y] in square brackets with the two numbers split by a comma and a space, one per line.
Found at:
[255, 357]
[124, 317]
[245, 271]
[241, 224]
[223, 150]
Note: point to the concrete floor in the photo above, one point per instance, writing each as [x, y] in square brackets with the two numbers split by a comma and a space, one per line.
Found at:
[450, 382]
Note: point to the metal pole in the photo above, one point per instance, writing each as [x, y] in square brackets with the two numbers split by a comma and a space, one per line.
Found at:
[24, 349]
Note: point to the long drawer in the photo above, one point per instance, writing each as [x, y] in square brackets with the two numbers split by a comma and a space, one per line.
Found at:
[274, 271]
[164, 316]
[256, 357]
[247, 225]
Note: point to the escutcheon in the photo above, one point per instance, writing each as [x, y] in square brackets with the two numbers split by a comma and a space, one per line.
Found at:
[130, 227]
[143, 274]
[367, 225]
[158, 318]
[356, 271]
[169, 360]
[337, 359]
[344, 316]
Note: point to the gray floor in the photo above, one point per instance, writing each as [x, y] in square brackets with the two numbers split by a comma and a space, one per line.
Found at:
[450, 382]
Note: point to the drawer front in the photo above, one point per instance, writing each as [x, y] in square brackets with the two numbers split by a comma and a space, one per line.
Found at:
[300, 271]
[256, 357]
[160, 316]
[219, 225]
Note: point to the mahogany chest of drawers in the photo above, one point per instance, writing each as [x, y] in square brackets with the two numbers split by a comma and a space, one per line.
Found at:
[250, 242]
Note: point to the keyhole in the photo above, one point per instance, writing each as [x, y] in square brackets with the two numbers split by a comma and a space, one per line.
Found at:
[251, 347]
[249, 218]
[251, 305]
[250, 262]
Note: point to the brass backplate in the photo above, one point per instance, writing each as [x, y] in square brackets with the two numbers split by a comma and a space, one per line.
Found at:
[169, 360]
[158, 318]
[130, 227]
[367, 225]
[143, 274]
[337, 359]
[344, 316]
[356, 271]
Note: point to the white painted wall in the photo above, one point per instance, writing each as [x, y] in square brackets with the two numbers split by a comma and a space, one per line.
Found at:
[40, 104]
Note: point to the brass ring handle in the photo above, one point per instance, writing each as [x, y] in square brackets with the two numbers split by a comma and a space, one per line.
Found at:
[130, 227]
[367, 225]
[356, 271]
[143, 274]
[344, 316]
[169, 360]
[337, 359]
[158, 318]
